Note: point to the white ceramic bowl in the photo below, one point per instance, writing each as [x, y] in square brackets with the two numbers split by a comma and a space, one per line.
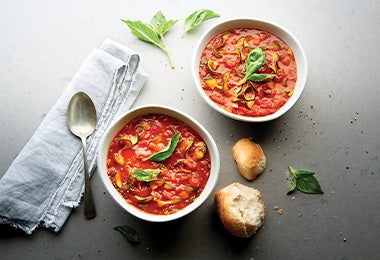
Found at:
[277, 30]
[157, 109]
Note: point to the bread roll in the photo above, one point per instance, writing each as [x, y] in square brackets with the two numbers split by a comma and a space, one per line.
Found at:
[240, 209]
[249, 157]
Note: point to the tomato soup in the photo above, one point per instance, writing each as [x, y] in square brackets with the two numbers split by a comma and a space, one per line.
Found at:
[158, 164]
[248, 72]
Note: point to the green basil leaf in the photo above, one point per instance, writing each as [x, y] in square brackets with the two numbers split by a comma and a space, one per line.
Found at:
[255, 60]
[167, 151]
[260, 77]
[129, 233]
[196, 18]
[153, 32]
[304, 181]
[295, 173]
[293, 184]
[145, 175]
[308, 184]
[292, 171]
[160, 23]
[303, 172]
[143, 31]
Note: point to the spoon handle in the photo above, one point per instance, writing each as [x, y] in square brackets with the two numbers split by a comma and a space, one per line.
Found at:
[89, 205]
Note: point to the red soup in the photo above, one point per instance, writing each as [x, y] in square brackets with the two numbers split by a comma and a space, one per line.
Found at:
[248, 72]
[158, 164]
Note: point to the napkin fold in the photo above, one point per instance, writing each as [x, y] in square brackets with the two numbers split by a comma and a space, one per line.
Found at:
[46, 180]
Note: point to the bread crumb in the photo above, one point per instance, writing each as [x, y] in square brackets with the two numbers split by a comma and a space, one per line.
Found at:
[277, 208]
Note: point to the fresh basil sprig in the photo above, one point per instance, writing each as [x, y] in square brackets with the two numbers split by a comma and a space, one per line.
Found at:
[303, 181]
[129, 233]
[153, 32]
[255, 60]
[145, 175]
[167, 151]
[162, 25]
[196, 18]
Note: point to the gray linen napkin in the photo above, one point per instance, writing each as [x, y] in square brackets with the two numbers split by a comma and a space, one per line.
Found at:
[46, 181]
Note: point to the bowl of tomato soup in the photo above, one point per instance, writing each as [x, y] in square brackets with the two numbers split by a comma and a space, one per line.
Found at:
[158, 163]
[249, 70]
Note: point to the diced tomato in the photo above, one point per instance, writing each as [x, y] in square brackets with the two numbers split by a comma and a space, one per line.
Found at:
[144, 191]
[230, 63]
[183, 195]
[167, 194]
[111, 171]
[194, 181]
[217, 98]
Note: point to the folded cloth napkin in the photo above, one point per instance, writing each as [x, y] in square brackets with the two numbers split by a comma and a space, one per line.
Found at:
[46, 181]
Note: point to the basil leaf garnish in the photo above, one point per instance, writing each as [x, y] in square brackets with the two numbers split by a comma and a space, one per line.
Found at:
[196, 18]
[260, 77]
[304, 181]
[145, 175]
[255, 60]
[129, 233]
[167, 151]
[153, 32]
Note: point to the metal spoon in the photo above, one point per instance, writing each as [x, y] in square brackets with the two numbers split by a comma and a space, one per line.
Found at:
[81, 118]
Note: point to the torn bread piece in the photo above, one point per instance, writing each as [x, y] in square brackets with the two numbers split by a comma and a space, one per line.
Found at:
[250, 158]
[240, 209]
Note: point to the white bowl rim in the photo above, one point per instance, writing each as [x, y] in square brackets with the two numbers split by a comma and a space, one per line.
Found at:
[291, 40]
[159, 109]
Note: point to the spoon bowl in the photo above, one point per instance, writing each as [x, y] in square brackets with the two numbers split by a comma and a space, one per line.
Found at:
[81, 118]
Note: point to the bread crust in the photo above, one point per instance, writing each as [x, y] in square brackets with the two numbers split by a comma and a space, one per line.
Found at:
[240, 209]
[249, 157]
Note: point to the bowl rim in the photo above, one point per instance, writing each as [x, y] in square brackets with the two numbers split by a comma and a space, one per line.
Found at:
[281, 32]
[126, 117]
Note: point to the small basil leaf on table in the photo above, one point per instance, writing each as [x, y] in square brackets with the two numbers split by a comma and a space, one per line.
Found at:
[196, 18]
[129, 233]
[167, 151]
[304, 181]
